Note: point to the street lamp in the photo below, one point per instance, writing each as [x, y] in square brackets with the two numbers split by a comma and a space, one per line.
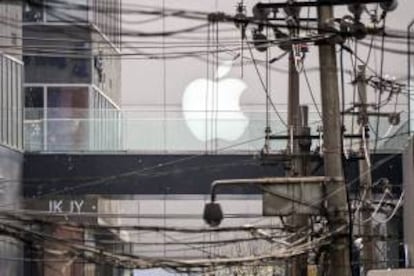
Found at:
[213, 214]
[389, 5]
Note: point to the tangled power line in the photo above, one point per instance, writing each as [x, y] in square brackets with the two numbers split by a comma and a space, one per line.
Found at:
[173, 49]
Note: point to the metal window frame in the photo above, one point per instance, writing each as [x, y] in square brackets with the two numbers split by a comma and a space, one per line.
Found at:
[45, 21]
[10, 102]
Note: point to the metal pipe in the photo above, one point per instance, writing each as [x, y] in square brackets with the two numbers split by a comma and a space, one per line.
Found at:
[268, 181]
[313, 137]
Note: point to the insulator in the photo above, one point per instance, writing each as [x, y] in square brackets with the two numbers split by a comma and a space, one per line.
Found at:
[260, 41]
[260, 14]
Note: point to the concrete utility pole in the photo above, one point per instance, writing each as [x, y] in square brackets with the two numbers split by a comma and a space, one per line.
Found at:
[297, 264]
[299, 166]
[293, 110]
[365, 181]
[339, 261]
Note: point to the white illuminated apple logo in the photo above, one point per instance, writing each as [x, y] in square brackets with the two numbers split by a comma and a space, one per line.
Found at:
[212, 107]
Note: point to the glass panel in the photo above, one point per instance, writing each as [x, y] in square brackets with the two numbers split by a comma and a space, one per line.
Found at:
[34, 97]
[57, 54]
[57, 69]
[33, 11]
[67, 118]
[67, 11]
[71, 97]
[34, 121]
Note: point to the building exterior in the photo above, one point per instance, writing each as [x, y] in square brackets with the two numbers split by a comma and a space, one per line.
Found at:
[72, 88]
[72, 97]
[72, 75]
[11, 128]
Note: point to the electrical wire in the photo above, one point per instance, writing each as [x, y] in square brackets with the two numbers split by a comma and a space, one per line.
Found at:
[373, 169]
[264, 87]
[315, 104]
[134, 172]
[381, 88]
[393, 213]
[298, 249]
[256, 68]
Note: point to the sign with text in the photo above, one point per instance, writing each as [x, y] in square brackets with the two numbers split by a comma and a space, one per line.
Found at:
[77, 209]
[68, 206]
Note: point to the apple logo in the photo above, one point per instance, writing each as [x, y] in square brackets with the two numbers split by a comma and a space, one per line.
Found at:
[212, 107]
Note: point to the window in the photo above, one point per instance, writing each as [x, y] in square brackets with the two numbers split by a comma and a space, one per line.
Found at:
[67, 116]
[65, 58]
[33, 11]
[67, 11]
[34, 97]
[70, 118]
[10, 102]
[55, 11]
[57, 69]
[34, 119]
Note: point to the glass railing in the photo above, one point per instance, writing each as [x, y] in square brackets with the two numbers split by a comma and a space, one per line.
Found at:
[69, 129]
[108, 130]
[198, 131]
